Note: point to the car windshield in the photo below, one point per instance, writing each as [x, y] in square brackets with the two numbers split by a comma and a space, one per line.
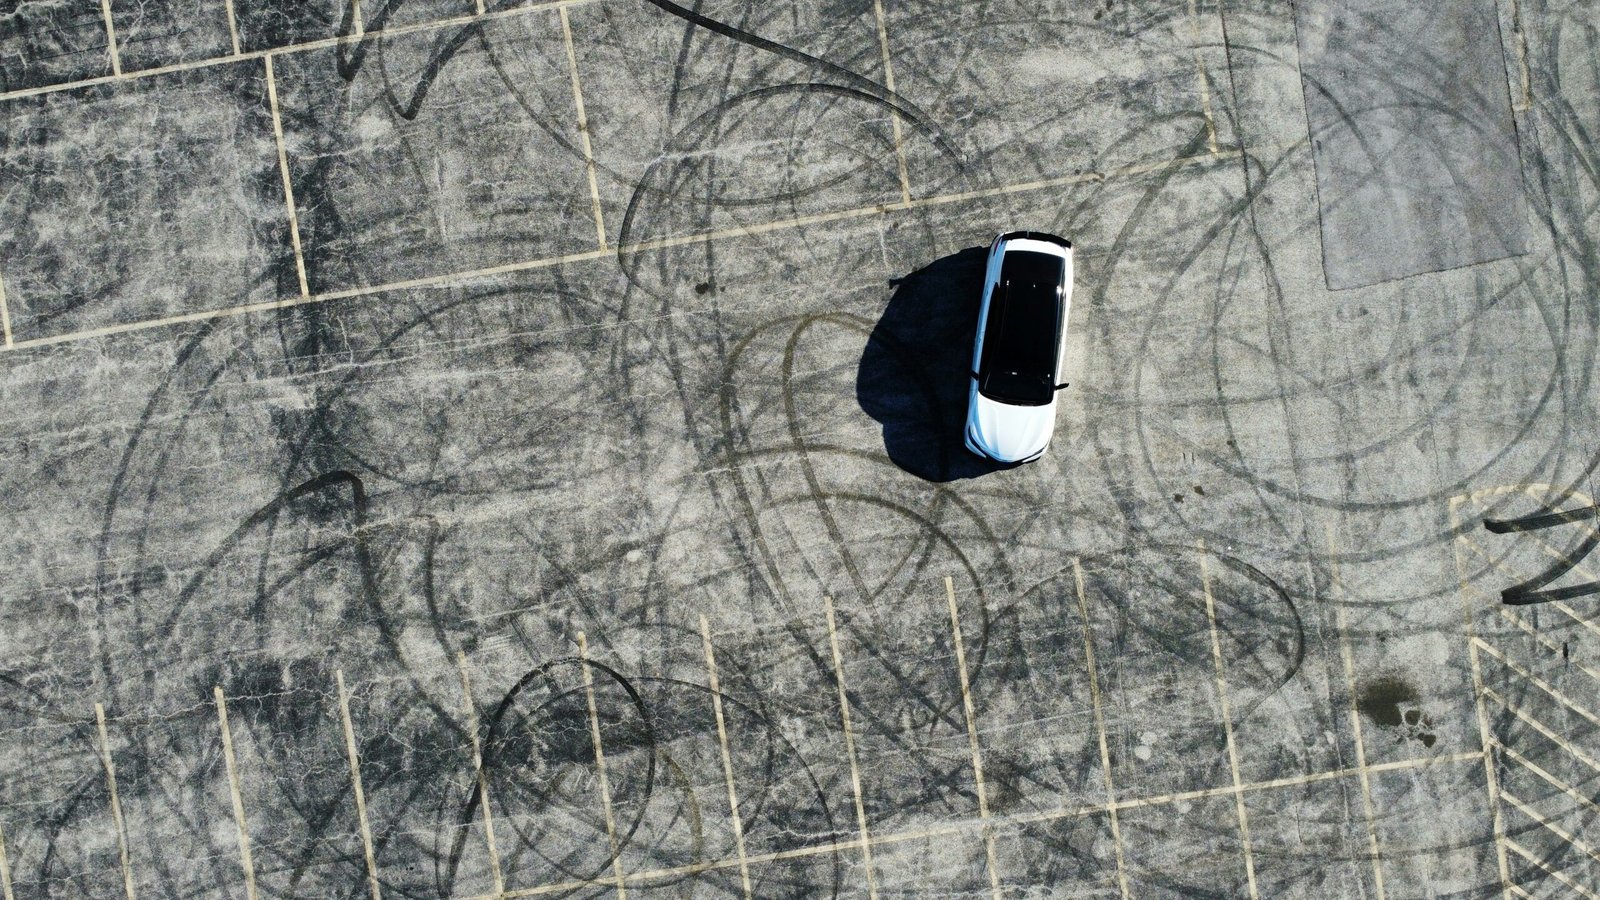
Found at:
[1019, 344]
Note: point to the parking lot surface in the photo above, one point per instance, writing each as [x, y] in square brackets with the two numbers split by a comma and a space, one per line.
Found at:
[456, 448]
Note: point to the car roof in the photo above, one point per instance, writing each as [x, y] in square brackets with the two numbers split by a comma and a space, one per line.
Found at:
[1025, 314]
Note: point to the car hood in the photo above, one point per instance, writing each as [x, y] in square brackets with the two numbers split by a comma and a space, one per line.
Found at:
[1010, 433]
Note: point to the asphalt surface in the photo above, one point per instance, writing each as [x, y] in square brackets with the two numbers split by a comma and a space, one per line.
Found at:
[514, 451]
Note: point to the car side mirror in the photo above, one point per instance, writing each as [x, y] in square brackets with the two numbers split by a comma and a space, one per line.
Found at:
[1063, 385]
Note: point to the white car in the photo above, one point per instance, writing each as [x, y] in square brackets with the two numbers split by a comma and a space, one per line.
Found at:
[1017, 359]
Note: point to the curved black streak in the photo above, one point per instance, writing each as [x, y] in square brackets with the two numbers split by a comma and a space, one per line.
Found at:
[125, 465]
[681, 139]
[471, 808]
[1545, 520]
[913, 114]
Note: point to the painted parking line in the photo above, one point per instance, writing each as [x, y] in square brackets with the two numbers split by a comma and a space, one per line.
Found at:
[245, 862]
[727, 757]
[972, 739]
[1100, 728]
[850, 753]
[116, 802]
[1227, 723]
[482, 777]
[1337, 583]
[600, 768]
[739, 231]
[355, 781]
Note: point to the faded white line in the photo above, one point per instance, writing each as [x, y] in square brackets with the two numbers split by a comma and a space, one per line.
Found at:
[111, 39]
[288, 185]
[972, 738]
[600, 768]
[894, 115]
[233, 26]
[1355, 716]
[116, 803]
[583, 127]
[483, 780]
[1227, 725]
[1100, 725]
[355, 781]
[850, 752]
[1491, 781]
[238, 796]
[727, 757]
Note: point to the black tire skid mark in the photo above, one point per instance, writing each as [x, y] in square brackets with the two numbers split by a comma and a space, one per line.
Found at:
[120, 477]
[1119, 245]
[652, 748]
[799, 446]
[675, 170]
[1556, 452]
[364, 563]
[787, 752]
[755, 797]
[1118, 560]
[972, 163]
[913, 115]
[1562, 369]
[712, 120]
[798, 325]
[350, 59]
[61, 814]
[492, 728]
[118, 486]
[730, 402]
[815, 497]
[1240, 469]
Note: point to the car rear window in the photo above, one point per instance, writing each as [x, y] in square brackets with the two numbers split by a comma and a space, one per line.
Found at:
[1027, 266]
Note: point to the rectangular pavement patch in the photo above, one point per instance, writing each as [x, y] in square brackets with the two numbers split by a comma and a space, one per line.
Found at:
[1416, 150]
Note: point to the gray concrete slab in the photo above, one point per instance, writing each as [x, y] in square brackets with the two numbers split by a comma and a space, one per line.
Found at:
[454, 147]
[1410, 117]
[630, 557]
[695, 130]
[156, 33]
[88, 193]
[49, 42]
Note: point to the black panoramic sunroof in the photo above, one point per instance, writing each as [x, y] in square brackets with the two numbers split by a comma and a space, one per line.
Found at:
[1019, 352]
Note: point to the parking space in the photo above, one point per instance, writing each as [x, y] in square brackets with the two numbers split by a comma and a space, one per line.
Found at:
[100, 233]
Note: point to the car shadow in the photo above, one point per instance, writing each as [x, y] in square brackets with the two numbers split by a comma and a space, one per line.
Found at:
[913, 373]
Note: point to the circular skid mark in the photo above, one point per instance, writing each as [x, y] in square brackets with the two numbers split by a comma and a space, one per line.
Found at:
[666, 791]
[1149, 619]
[784, 477]
[1370, 383]
[774, 151]
[541, 769]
